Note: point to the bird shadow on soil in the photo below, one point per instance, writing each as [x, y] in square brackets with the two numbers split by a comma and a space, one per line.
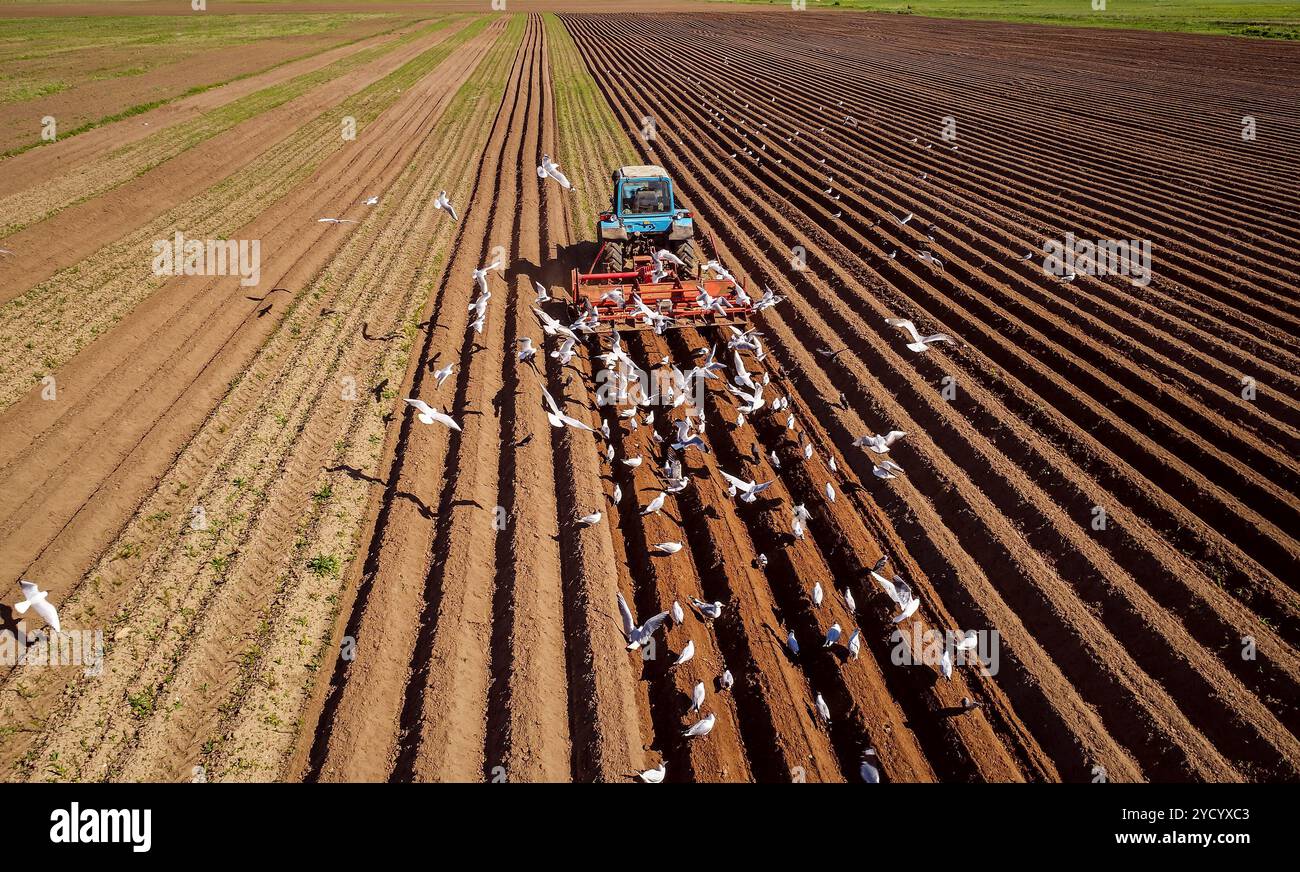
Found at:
[357, 475]
[7, 620]
[780, 641]
[365, 334]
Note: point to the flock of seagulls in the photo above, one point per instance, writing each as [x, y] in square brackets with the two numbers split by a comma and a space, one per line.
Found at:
[752, 393]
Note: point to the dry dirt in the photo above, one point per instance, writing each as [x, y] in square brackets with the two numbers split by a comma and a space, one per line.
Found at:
[370, 598]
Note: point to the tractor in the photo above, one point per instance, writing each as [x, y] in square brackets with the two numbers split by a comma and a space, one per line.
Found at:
[643, 218]
[647, 260]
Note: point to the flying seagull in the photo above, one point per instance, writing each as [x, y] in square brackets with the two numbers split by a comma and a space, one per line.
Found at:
[34, 597]
[445, 205]
[429, 415]
[638, 636]
[552, 169]
[558, 418]
[919, 343]
[879, 444]
[747, 490]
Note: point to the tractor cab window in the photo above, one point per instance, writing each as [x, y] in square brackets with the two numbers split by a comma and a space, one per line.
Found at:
[646, 197]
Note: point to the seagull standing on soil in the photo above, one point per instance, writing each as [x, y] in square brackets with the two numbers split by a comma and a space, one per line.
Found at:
[712, 610]
[687, 653]
[832, 635]
[727, 680]
[870, 773]
[823, 709]
[35, 598]
[429, 415]
[590, 520]
[654, 776]
[697, 696]
[855, 643]
[655, 505]
[702, 727]
[526, 350]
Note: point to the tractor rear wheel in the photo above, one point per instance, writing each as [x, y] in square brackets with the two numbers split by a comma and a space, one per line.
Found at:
[685, 250]
[612, 257]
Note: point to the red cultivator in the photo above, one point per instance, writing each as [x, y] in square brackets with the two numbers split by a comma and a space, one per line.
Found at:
[623, 300]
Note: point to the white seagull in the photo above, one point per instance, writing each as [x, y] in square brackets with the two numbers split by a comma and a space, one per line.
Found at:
[747, 490]
[638, 636]
[445, 205]
[558, 418]
[702, 727]
[552, 169]
[855, 643]
[870, 773]
[919, 343]
[687, 653]
[879, 444]
[34, 597]
[654, 776]
[712, 610]
[429, 415]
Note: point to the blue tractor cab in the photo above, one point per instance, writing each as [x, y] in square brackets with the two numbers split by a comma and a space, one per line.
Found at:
[643, 217]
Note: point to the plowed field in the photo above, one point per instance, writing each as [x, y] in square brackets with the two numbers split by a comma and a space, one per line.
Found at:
[296, 579]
